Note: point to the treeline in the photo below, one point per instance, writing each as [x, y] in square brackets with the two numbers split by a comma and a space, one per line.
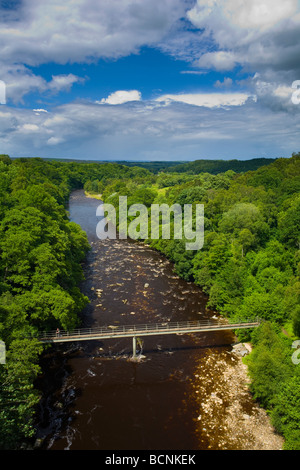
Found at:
[41, 253]
[194, 167]
[220, 166]
[249, 265]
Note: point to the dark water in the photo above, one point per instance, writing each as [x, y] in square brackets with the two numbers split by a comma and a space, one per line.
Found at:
[94, 396]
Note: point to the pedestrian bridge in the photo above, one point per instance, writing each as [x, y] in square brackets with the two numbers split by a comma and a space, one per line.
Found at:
[140, 330]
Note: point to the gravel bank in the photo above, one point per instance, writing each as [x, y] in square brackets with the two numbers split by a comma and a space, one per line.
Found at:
[228, 418]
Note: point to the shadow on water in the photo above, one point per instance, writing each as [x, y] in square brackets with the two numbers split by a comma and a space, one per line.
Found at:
[82, 352]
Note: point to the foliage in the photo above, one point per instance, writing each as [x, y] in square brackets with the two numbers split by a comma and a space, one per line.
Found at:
[286, 411]
[17, 395]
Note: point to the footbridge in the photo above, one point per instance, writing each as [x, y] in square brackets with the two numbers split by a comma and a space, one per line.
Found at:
[140, 330]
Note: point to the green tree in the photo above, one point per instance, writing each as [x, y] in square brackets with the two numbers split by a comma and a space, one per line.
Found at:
[190, 195]
[289, 223]
[18, 397]
[145, 196]
[268, 364]
[286, 412]
[244, 220]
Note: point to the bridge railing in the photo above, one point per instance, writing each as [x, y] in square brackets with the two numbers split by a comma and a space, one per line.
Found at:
[143, 328]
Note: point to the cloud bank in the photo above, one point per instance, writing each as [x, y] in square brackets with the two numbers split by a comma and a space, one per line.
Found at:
[248, 112]
[261, 35]
[209, 100]
[148, 130]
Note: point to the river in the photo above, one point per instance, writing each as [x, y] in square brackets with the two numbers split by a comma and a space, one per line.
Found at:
[95, 397]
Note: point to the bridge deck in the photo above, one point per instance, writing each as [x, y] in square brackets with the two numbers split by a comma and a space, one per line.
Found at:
[125, 331]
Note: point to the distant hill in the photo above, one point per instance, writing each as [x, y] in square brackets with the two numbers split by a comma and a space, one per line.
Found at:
[220, 166]
[154, 167]
[201, 166]
[198, 166]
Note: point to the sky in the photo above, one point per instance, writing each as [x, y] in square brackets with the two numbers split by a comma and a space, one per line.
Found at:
[150, 80]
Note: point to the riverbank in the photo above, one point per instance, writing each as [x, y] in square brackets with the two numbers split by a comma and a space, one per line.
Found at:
[93, 196]
[228, 417]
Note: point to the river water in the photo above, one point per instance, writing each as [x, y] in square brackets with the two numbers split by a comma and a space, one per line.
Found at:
[94, 396]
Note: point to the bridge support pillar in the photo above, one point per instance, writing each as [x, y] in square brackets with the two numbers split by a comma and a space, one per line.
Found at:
[134, 347]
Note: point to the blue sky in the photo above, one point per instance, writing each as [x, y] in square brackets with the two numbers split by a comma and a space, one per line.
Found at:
[152, 72]
[149, 79]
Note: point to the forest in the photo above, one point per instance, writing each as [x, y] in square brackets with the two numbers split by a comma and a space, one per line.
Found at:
[249, 266]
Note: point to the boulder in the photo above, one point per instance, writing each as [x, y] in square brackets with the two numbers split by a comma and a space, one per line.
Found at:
[240, 350]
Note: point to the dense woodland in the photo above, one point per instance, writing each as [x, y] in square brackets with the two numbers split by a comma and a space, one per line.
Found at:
[249, 266]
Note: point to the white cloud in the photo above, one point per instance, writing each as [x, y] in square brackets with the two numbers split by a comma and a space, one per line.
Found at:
[20, 80]
[38, 111]
[227, 83]
[193, 72]
[259, 14]
[220, 60]
[55, 120]
[272, 93]
[283, 91]
[29, 128]
[63, 82]
[54, 141]
[209, 100]
[83, 30]
[121, 96]
[258, 34]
